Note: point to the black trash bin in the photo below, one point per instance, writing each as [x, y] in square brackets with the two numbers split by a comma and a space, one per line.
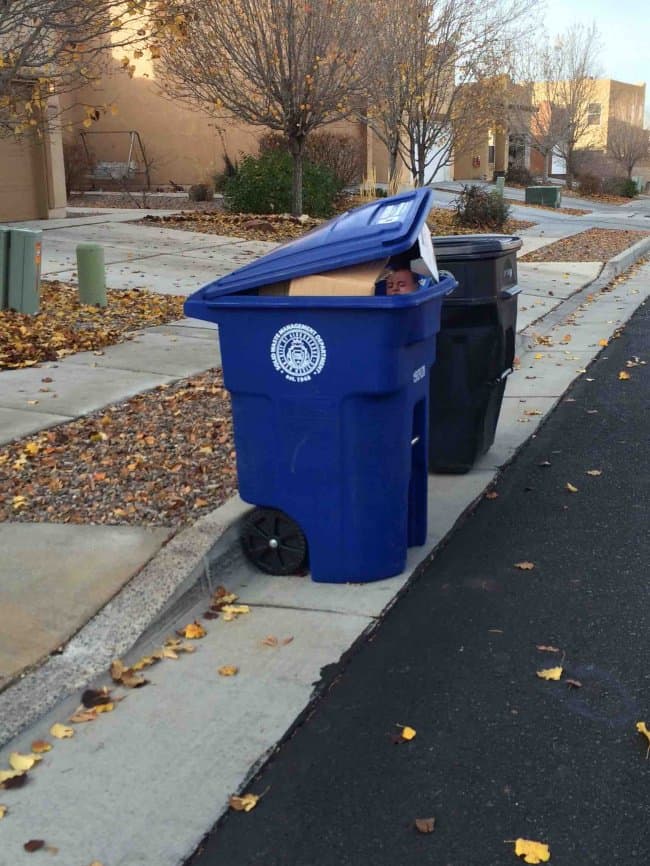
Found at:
[476, 348]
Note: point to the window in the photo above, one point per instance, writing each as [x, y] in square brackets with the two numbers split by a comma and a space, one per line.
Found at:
[593, 114]
[491, 154]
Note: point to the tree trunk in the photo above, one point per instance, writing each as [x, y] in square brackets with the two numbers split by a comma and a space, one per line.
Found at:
[297, 147]
[569, 169]
[421, 166]
[392, 169]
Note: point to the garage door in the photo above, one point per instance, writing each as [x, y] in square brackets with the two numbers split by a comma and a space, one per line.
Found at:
[22, 196]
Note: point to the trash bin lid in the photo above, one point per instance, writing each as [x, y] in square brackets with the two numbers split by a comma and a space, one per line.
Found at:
[377, 230]
[474, 246]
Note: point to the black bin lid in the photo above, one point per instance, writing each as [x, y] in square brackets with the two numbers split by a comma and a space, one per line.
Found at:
[466, 247]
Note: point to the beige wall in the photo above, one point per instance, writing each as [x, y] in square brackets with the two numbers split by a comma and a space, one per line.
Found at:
[32, 178]
[186, 145]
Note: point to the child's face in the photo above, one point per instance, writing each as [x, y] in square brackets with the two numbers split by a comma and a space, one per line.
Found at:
[400, 282]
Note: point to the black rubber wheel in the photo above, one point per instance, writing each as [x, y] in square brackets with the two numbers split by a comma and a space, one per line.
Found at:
[273, 542]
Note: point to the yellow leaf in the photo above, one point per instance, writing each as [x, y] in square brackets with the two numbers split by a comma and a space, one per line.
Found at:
[104, 708]
[550, 673]
[594, 472]
[22, 762]
[539, 356]
[5, 775]
[193, 631]
[425, 825]
[571, 488]
[408, 733]
[525, 566]
[40, 746]
[603, 343]
[19, 502]
[243, 804]
[623, 375]
[32, 448]
[3, 811]
[228, 670]
[98, 436]
[642, 728]
[61, 732]
[232, 611]
[532, 852]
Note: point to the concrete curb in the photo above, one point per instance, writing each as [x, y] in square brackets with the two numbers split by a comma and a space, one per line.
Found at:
[142, 603]
[611, 269]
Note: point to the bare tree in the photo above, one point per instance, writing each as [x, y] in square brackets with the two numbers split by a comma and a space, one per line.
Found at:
[48, 47]
[627, 144]
[444, 78]
[287, 65]
[572, 67]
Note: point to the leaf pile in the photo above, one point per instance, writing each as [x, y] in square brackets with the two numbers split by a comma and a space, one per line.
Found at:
[64, 325]
[573, 211]
[593, 245]
[164, 457]
[268, 227]
[282, 227]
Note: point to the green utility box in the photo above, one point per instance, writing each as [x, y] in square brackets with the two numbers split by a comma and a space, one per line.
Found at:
[500, 185]
[551, 196]
[24, 284]
[4, 266]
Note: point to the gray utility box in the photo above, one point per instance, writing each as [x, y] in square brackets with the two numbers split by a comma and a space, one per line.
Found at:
[551, 196]
[4, 266]
[24, 280]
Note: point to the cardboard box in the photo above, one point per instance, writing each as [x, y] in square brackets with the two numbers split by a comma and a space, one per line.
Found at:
[355, 280]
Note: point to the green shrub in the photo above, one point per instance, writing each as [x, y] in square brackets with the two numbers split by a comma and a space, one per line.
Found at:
[230, 169]
[478, 208]
[519, 175]
[339, 153]
[628, 188]
[263, 185]
[590, 184]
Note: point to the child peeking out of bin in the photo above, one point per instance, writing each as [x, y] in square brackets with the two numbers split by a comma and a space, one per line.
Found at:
[401, 281]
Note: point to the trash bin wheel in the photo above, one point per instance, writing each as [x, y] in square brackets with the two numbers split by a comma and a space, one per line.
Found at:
[273, 542]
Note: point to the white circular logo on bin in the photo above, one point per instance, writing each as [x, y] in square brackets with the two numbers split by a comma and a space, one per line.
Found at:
[298, 351]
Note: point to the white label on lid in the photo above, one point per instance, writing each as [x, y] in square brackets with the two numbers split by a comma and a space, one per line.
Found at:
[393, 213]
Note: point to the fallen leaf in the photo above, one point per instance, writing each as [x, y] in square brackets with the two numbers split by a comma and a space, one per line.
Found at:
[34, 845]
[547, 649]
[425, 825]
[539, 356]
[126, 676]
[3, 811]
[22, 762]
[408, 733]
[594, 472]
[492, 495]
[566, 338]
[642, 728]
[40, 746]
[525, 566]
[82, 715]
[550, 673]
[570, 487]
[532, 852]
[193, 631]
[623, 375]
[575, 683]
[232, 611]
[287, 640]
[12, 779]
[603, 343]
[93, 697]
[61, 732]
[228, 671]
[544, 464]
[270, 641]
[243, 804]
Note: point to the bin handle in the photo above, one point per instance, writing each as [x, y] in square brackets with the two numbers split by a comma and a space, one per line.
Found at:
[506, 294]
[503, 376]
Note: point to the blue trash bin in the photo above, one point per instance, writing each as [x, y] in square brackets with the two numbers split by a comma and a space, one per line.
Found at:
[330, 398]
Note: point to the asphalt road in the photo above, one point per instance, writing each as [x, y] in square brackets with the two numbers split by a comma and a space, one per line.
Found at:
[499, 752]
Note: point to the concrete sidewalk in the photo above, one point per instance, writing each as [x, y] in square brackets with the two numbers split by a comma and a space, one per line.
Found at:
[73, 572]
